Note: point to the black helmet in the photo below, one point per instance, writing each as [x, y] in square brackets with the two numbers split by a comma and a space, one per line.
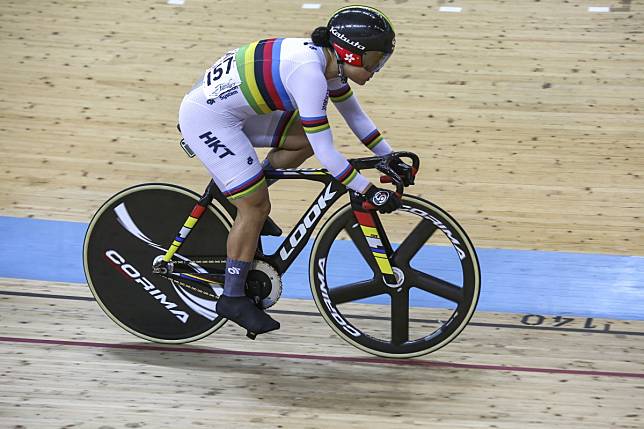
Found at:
[356, 30]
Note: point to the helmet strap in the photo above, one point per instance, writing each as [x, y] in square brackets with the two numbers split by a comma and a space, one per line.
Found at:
[341, 74]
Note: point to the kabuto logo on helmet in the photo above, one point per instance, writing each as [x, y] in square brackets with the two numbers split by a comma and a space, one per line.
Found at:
[346, 40]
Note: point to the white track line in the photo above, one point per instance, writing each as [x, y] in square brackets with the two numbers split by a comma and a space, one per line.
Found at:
[453, 9]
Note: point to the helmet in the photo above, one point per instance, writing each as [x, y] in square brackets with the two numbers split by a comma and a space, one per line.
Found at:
[362, 36]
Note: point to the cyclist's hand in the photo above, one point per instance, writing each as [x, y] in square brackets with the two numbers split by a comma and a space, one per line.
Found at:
[383, 200]
[406, 172]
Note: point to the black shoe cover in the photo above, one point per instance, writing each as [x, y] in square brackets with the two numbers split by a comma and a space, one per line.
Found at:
[246, 314]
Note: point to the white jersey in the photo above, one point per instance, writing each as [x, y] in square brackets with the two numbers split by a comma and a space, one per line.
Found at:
[283, 75]
[288, 75]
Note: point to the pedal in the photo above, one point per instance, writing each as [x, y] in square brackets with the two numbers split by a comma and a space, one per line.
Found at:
[251, 335]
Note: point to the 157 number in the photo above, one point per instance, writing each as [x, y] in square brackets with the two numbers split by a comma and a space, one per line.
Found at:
[217, 71]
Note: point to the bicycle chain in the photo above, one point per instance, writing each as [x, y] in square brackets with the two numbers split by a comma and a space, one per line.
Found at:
[196, 261]
[200, 261]
[191, 287]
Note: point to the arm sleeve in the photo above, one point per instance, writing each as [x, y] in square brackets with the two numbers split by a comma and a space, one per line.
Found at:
[309, 89]
[362, 126]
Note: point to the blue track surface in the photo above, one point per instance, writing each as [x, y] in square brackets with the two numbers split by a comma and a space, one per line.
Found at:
[517, 281]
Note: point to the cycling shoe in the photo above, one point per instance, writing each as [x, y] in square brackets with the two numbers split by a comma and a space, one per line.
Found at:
[243, 311]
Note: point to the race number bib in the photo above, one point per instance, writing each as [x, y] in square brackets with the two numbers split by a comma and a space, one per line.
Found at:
[221, 77]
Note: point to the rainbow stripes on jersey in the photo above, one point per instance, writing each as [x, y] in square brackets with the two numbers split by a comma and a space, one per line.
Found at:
[315, 124]
[341, 94]
[372, 139]
[281, 131]
[347, 175]
[259, 68]
[246, 188]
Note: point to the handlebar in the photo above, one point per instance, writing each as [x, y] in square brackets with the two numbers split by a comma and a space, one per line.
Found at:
[383, 164]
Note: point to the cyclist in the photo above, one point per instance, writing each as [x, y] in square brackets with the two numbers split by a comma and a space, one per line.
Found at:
[253, 97]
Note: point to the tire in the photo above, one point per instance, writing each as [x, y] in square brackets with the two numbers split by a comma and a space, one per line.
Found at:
[123, 238]
[438, 286]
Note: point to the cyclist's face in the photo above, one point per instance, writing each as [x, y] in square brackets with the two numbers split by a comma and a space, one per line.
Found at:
[359, 75]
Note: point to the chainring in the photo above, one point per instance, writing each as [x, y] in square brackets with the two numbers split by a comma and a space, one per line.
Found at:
[265, 283]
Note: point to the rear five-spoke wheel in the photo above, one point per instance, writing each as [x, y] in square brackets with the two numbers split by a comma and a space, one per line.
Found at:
[436, 289]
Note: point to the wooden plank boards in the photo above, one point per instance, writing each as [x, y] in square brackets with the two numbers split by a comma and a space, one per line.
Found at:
[525, 113]
[527, 117]
[80, 368]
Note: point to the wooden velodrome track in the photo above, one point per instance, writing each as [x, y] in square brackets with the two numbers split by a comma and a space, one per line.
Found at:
[528, 118]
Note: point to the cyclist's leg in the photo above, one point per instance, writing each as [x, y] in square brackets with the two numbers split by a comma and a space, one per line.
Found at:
[295, 150]
[252, 212]
[284, 133]
[217, 139]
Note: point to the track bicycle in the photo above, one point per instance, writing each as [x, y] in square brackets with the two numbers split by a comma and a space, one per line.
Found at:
[154, 257]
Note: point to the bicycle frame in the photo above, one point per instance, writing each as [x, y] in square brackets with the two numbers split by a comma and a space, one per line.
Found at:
[336, 270]
[298, 237]
[296, 240]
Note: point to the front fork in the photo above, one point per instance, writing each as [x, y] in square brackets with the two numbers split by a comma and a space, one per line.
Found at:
[376, 238]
